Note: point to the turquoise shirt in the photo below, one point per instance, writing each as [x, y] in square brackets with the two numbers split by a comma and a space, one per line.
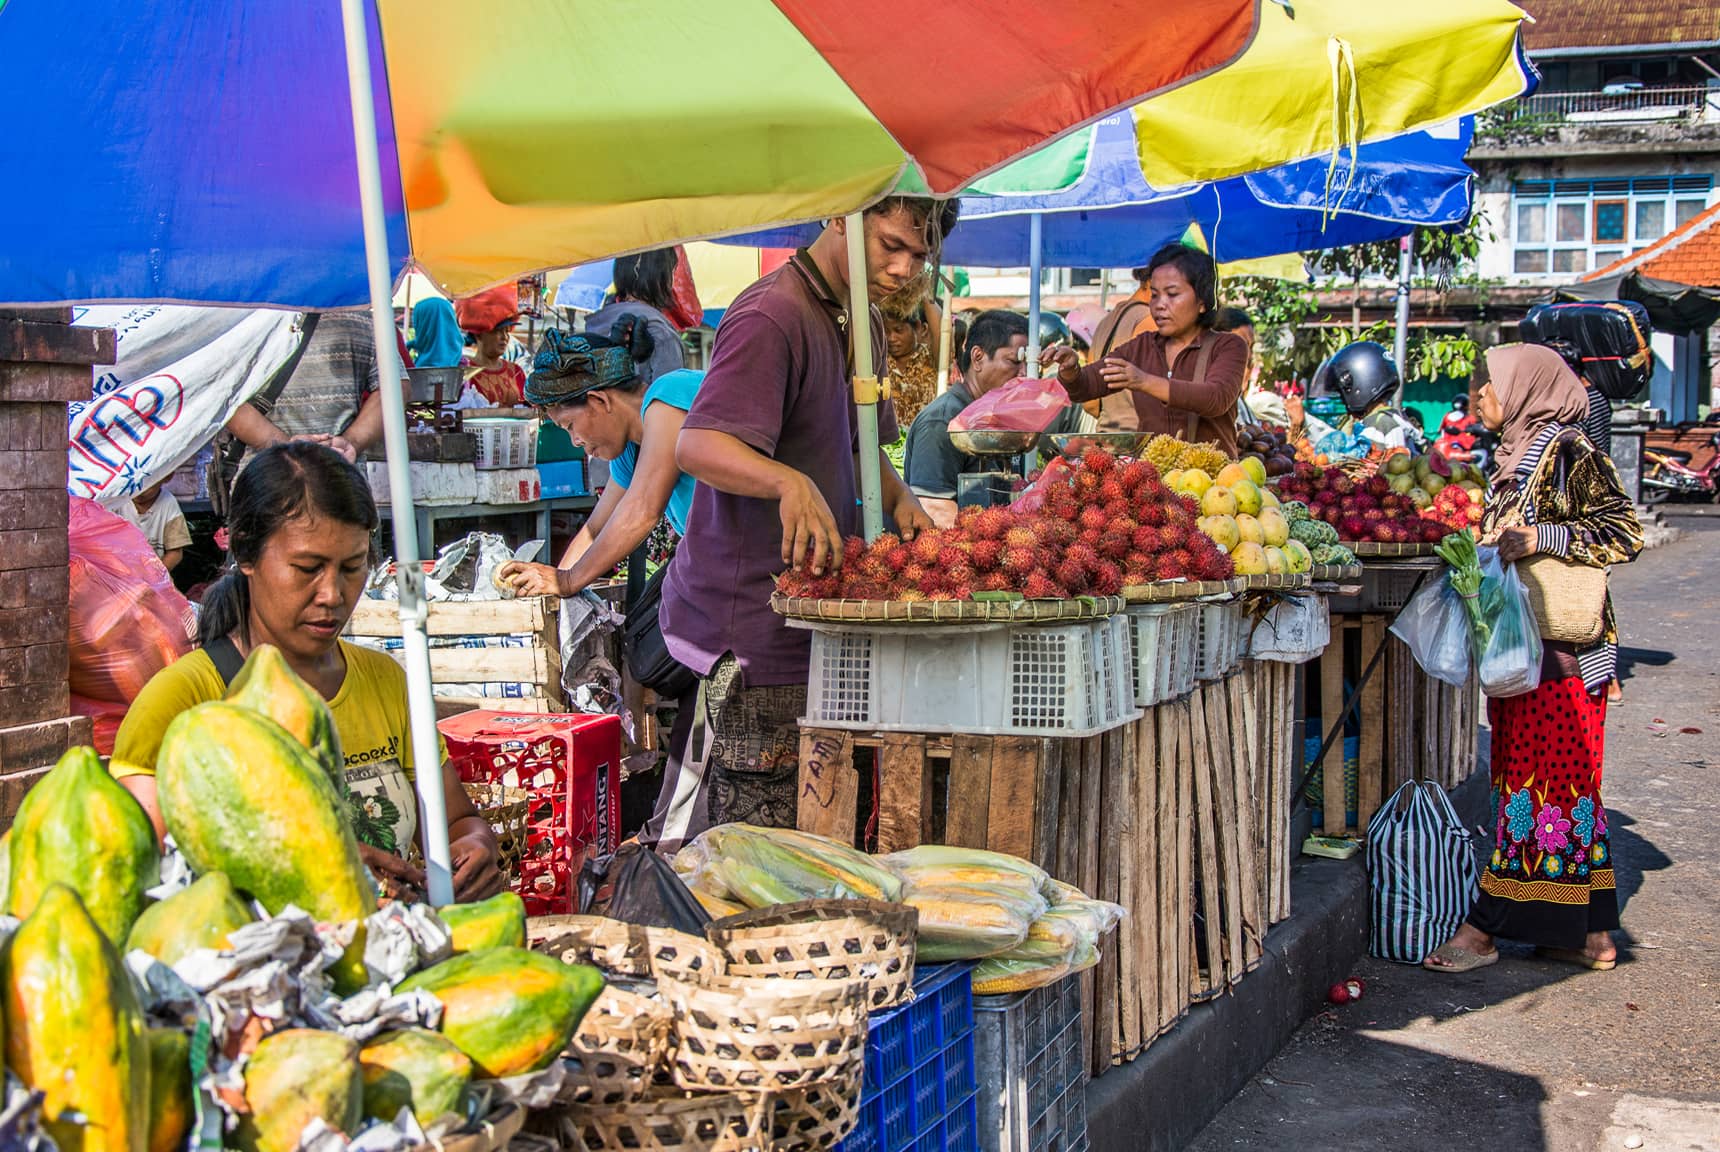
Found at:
[677, 390]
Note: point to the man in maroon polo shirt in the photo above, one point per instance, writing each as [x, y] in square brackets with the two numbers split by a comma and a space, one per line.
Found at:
[772, 440]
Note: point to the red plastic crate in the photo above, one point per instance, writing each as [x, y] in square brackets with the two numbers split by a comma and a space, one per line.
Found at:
[569, 767]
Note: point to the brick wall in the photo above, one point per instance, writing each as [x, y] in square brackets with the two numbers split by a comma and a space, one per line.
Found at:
[44, 364]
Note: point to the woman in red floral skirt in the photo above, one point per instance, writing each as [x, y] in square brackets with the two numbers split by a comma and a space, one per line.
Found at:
[1549, 881]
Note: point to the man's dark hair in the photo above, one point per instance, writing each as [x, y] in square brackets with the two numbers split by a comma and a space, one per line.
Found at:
[990, 331]
[648, 277]
[1230, 319]
[923, 211]
[1197, 268]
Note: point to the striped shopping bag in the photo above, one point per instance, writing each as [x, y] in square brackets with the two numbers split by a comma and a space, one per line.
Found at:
[1422, 877]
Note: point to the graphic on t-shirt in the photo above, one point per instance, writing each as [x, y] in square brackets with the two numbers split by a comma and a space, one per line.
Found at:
[380, 797]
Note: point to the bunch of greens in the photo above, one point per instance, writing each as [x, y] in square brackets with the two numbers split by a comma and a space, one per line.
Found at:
[1458, 551]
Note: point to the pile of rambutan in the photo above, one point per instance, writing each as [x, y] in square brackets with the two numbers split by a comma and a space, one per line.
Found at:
[1365, 510]
[1095, 529]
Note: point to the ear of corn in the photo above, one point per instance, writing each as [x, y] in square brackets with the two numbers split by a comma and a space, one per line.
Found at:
[996, 976]
[781, 865]
[928, 858]
[967, 921]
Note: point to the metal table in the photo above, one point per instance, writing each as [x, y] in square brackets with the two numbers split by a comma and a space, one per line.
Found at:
[429, 515]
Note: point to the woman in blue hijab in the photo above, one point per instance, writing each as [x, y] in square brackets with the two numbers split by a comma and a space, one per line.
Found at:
[437, 341]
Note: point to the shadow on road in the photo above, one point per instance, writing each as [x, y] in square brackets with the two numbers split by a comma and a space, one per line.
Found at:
[1633, 855]
[1629, 658]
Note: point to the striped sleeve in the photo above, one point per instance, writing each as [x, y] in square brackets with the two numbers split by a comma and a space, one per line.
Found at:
[1552, 539]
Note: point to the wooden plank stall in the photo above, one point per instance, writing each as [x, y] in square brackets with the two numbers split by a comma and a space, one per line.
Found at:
[535, 661]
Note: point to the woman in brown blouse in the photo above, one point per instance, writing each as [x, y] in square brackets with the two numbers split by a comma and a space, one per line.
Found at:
[1185, 378]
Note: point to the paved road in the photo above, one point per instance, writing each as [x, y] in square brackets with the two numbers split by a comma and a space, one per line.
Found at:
[1529, 1055]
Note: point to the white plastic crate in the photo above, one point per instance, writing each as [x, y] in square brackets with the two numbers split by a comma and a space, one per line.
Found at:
[1294, 632]
[986, 679]
[1219, 647]
[1161, 642]
[504, 442]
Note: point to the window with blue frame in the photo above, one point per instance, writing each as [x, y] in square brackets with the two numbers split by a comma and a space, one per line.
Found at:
[1569, 227]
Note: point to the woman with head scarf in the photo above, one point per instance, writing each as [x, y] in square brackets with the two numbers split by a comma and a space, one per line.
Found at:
[1550, 879]
[437, 341]
[489, 319]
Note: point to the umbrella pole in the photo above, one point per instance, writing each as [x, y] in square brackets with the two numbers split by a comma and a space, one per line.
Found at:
[1035, 272]
[1400, 338]
[409, 575]
[865, 381]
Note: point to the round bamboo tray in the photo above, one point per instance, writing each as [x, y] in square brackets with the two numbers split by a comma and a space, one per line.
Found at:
[1335, 573]
[1271, 582]
[765, 1035]
[1365, 549]
[627, 949]
[505, 810]
[621, 1044]
[866, 940]
[947, 611]
[1166, 591]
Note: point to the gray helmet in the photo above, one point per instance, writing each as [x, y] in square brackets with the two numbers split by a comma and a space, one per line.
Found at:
[1359, 374]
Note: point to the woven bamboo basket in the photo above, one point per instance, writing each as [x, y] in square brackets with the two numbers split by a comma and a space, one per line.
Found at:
[866, 940]
[626, 949]
[490, 1134]
[1271, 581]
[1335, 573]
[621, 1045]
[505, 810]
[1167, 591]
[947, 611]
[765, 1035]
[817, 1117]
[666, 1121]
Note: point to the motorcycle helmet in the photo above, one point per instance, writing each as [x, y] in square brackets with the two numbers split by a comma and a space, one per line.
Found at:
[1460, 403]
[1052, 330]
[1359, 375]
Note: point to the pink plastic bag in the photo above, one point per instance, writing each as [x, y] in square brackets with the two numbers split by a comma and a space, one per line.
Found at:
[1023, 405]
[1057, 473]
[126, 621]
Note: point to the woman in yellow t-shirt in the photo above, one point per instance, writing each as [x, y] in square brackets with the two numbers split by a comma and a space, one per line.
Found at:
[300, 525]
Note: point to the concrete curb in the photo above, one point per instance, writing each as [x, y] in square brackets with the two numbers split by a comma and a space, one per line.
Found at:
[1162, 1100]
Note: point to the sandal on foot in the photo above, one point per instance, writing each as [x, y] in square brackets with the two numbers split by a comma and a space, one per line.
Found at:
[1454, 959]
[1578, 957]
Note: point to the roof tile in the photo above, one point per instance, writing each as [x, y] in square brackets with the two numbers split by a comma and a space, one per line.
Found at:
[1612, 23]
[1689, 255]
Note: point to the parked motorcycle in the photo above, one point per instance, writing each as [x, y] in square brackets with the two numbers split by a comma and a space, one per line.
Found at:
[1667, 472]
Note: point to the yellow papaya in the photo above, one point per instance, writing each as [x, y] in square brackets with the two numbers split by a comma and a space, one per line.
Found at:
[266, 684]
[74, 1028]
[79, 828]
[200, 916]
[170, 1108]
[296, 1076]
[509, 1009]
[243, 797]
[413, 1068]
[494, 923]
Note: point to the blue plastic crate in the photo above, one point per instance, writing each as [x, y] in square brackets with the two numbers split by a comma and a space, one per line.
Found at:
[919, 1086]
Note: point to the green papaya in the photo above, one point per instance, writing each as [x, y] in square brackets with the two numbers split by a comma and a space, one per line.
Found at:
[266, 684]
[509, 1009]
[296, 1076]
[78, 827]
[170, 1107]
[413, 1068]
[241, 796]
[497, 922]
[74, 1028]
[200, 916]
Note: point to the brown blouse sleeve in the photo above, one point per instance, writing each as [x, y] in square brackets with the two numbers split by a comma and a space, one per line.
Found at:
[1600, 527]
[1226, 376]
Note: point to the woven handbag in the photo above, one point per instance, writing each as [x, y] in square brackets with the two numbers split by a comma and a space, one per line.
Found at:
[1569, 599]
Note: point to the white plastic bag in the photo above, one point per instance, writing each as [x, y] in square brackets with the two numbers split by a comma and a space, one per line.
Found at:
[1435, 627]
[1511, 663]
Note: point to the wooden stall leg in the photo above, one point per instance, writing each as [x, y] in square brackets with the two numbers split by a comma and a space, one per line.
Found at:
[1014, 796]
[1048, 808]
[1141, 980]
[1180, 914]
[1206, 838]
[1370, 775]
[1115, 832]
[1334, 801]
[1250, 892]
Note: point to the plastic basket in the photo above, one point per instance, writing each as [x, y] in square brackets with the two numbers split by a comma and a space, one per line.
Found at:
[1219, 643]
[987, 679]
[1295, 631]
[1161, 642]
[1032, 1070]
[919, 1083]
[504, 442]
[1386, 588]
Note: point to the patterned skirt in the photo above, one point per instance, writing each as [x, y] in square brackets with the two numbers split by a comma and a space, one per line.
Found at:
[1550, 879]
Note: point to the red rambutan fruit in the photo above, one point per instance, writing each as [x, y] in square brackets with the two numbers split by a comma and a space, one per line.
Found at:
[852, 549]
[954, 555]
[1135, 473]
[1166, 568]
[898, 558]
[883, 542]
[1020, 536]
[1116, 543]
[1182, 560]
[1108, 580]
[1072, 576]
[1098, 461]
[958, 576]
[1083, 554]
[1042, 587]
[927, 545]
[995, 582]
[991, 523]
[1019, 561]
[1112, 491]
[1091, 536]
[1151, 515]
[1092, 517]
[1059, 532]
[916, 575]
[986, 554]
[1086, 485]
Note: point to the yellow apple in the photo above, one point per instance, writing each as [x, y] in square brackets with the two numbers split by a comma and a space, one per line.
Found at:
[1250, 559]
[1247, 495]
[1218, 501]
[1249, 531]
[1222, 529]
[1276, 564]
[1269, 499]
[1193, 482]
[1274, 527]
[1230, 474]
[1297, 555]
[1255, 467]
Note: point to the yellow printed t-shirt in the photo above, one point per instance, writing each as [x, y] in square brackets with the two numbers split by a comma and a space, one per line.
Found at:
[369, 714]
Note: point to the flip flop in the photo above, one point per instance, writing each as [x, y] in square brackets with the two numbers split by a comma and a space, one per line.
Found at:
[1578, 957]
[1458, 959]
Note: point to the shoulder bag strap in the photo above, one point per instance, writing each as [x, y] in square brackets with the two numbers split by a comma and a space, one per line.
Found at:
[1200, 359]
[277, 382]
[225, 656]
[229, 449]
[1106, 337]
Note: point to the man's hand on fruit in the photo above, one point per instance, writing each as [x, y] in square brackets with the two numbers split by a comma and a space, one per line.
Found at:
[810, 537]
[526, 579]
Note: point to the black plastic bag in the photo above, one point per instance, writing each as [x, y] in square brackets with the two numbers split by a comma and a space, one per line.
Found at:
[1611, 336]
[638, 886]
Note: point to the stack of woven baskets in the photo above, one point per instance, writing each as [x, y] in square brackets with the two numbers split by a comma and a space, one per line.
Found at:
[751, 1040]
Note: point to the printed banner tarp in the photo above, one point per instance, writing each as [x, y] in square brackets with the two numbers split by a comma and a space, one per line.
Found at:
[181, 374]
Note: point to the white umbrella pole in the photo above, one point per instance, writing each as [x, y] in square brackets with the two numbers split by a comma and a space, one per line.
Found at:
[409, 576]
[1400, 338]
[1035, 271]
[865, 381]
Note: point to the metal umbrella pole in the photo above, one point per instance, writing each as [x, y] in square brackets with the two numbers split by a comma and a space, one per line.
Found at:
[409, 575]
[866, 389]
[1400, 338]
[1035, 272]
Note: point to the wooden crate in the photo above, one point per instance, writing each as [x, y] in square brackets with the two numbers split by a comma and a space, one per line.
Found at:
[1409, 725]
[538, 664]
